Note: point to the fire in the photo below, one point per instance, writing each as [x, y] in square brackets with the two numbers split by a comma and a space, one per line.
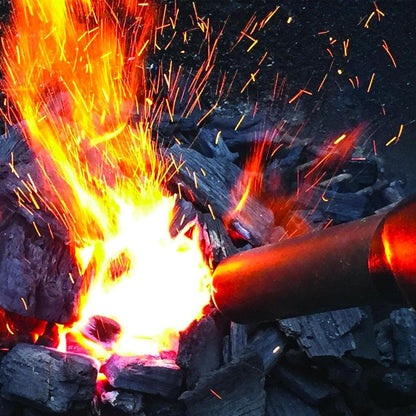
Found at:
[74, 72]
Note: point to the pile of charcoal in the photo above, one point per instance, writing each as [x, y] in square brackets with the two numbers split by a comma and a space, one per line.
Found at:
[357, 361]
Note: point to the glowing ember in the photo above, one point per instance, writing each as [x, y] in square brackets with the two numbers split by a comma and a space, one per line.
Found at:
[73, 72]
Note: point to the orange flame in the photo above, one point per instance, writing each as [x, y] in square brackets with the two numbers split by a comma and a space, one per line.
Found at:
[74, 72]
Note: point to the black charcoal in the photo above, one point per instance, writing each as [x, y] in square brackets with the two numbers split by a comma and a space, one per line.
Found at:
[199, 350]
[324, 334]
[48, 379]
[144, 374]
[235, 389]
[281, 402]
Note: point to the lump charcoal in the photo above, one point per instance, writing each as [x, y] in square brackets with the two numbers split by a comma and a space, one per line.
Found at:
[12, 142]
[305, 384]
[235, 389]
[158, 406]
[335, 406]
[221, 245]
[209, 143]
[394, 386]
[280, 402]
[102, 330]
[365, 338]
[144, 374]
[269, 343]
[199, 350]
[238, 339]
[340, 371]
[124, 402]
[47, 379]
[363, 173]
[215, 181]
[7, 408]
[403, 322]
[342, 207]
[183, 213]
[384, 341]
[38, 275]
[324, 334]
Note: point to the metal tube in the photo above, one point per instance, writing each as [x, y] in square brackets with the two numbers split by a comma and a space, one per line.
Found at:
[371, 260]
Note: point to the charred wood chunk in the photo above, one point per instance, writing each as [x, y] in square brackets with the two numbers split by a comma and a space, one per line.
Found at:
[144, 374]
[304, 383]
[238, 339]
[199, 350]
[210, 143]
[384, 341]
[210, 183]
[7, 408]
[365, 338]
[47, 379]
[324, 334]
[102, 330]
[12, 142]
[38, 276]
[235, 389]
[124, 402]
[158, 406]
[404, 335]
[269, 343]
[220, 243]
[280, 402]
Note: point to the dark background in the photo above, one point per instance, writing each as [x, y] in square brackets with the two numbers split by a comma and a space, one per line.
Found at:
[297, 51]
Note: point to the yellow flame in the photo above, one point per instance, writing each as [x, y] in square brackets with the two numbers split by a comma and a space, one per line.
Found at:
[75, 72]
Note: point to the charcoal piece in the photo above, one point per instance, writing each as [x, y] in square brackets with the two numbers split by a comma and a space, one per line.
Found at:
[199, 350]
[50, 336]
[341, 207]
[226, 349]
[238, 339]
[221, 245]
[304, 383]
[344, 207]
[228, 122]
[47, 379]
[269, 343]
[209, 143]
[324, 334]
[183, 213]
[340, 371]
[38, 276]
[363, 173]
[404, 335]
[144, 374]
[158, 406]
[7, 408]
[12, 142]
[384, 341]
[210, 182]
[235, 389]
[393, 386]
[125, 402]
[335, 406]
[102, 330]
[365, 338]
[280, 402]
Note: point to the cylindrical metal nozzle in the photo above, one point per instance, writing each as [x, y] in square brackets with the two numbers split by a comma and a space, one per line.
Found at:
[366, 261]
